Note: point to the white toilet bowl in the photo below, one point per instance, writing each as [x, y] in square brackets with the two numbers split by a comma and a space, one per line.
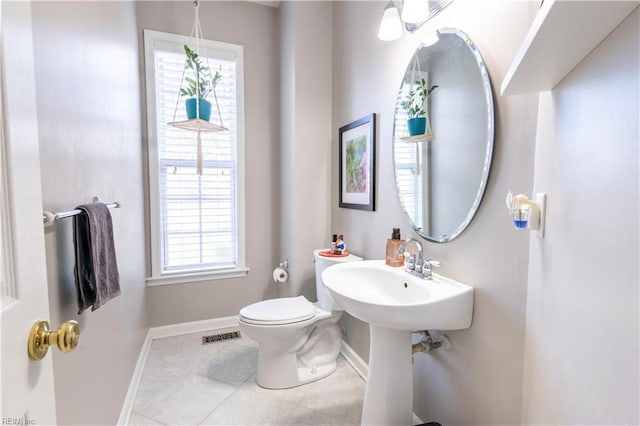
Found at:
[298, 341]
[288, 351]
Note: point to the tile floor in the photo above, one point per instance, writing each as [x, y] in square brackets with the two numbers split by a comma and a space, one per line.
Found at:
[187, 383]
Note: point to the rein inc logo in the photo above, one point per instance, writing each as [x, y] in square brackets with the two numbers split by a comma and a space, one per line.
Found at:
[18, 421]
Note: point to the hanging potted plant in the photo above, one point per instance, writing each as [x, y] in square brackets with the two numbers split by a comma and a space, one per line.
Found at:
[199, 86]
[414, 107]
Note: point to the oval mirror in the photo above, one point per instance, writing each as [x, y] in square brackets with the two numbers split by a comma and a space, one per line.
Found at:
[441, 170]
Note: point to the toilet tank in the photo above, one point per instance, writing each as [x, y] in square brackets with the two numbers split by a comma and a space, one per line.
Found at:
[322, 263]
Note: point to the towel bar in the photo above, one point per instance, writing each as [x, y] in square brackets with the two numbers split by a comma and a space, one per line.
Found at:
[50, 217]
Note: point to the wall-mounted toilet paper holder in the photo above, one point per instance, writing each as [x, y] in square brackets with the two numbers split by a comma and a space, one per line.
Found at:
[281, 273]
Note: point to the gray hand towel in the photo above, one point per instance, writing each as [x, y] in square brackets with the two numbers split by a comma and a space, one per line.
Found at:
[96, 271]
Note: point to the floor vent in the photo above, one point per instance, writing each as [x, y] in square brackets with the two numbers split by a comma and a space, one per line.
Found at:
[219, 337]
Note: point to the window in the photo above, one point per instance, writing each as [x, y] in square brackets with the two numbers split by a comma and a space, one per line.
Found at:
[412, 160]
[197, 222]
[407, 164]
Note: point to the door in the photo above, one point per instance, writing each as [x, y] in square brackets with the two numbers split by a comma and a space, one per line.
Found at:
[27, 386]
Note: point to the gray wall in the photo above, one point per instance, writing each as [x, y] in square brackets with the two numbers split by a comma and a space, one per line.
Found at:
[254, 27]
[478, 381]
[90, 144]
[581, 347]
[305, 43]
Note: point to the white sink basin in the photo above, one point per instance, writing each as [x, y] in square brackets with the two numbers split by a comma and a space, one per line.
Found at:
[392, 298]
[394, 303]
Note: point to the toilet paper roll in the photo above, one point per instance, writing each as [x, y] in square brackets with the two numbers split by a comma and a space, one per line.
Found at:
[280, 275]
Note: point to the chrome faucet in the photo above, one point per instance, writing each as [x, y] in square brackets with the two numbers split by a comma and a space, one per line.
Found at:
[415, 264]
[412, 262]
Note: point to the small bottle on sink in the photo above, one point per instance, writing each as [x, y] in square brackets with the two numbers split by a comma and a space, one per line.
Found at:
[393, 258]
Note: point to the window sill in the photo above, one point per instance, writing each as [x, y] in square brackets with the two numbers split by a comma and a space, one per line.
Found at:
[193, 277]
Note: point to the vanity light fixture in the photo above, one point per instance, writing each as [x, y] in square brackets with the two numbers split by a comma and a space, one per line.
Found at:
[414, 14]
[391, 25]
[526, 213]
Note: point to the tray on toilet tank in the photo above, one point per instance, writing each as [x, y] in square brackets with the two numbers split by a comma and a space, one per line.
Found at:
[329, 253]
[326, 255]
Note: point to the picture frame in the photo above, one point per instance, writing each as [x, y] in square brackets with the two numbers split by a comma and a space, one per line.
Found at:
[357, 160]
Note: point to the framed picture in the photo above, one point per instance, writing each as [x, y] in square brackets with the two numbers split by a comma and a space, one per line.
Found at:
[357, 164]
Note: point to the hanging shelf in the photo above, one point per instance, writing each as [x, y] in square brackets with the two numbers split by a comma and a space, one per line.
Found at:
[198, 124]
[561, 36]
[418, 138]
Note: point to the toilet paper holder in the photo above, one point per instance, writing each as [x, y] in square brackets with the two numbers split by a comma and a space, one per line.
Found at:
[281, 272]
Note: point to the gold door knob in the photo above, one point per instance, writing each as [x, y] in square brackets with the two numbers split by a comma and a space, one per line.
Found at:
[41, 337]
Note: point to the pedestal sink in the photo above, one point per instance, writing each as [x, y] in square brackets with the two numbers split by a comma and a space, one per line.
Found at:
[395, 303]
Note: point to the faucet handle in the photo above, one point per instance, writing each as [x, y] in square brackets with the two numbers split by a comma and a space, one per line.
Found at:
[419, 265]
[427, 268]
[409, 261]
[432, 263]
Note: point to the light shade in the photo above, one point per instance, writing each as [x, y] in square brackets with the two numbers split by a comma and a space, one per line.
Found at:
[390, 26]
[415, 11]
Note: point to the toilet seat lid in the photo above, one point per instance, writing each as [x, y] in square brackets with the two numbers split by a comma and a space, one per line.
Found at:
[284, 310]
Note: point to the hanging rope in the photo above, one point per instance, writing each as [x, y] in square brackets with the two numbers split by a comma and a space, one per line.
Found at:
[196, 32]
[198, 125]
[198, 154]
[415, 68]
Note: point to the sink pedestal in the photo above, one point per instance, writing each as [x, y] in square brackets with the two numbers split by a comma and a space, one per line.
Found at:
[391, 300]
[388, 396]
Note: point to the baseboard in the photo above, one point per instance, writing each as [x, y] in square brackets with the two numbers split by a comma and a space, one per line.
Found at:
[159, 333]
[127, 406]
[417, 420]
[354, 360]
[192, 327]
[362, 368]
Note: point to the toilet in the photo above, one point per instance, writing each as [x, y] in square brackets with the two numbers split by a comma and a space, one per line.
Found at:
[298, 341]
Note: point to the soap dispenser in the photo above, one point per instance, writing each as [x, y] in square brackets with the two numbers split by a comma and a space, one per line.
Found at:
[392, 257]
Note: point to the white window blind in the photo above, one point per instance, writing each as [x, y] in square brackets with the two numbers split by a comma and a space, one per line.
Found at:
[198, 218]
[407, 161]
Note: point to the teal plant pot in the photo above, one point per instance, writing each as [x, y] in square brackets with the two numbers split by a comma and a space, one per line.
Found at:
[205, 108]
[417, 126]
